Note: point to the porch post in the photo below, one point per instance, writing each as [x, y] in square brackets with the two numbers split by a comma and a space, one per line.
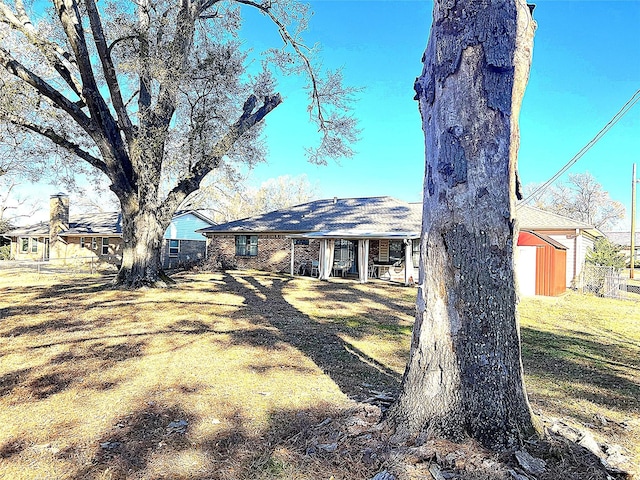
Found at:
[322, 254]
[363, 260]
[292, 254]
[408, 262]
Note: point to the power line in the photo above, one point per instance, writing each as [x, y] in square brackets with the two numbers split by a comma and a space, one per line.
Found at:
[616, 118]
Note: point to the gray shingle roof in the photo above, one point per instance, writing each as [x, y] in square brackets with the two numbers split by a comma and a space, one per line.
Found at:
[532, 218]
[622, 238]
[369, 214]
[95, 223]
[109, 223]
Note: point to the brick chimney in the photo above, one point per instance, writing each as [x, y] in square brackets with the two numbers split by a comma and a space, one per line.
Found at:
[58, 217]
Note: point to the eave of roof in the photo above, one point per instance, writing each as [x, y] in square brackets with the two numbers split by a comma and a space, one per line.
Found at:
[358, 235]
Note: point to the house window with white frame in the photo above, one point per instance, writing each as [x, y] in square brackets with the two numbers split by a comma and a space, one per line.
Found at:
[94, 243]
[82, 244]
[105, 246]
[174, 248]
[34, 245]
[246, 245]
[415, 252]
[24, 245]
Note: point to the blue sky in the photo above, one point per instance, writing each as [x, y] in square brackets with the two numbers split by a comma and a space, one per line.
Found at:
[586, 65]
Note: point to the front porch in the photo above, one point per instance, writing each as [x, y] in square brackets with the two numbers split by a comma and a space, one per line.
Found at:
[360, 255]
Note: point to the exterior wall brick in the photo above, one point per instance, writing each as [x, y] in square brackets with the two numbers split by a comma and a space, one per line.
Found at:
[191, 251]
[274, 253]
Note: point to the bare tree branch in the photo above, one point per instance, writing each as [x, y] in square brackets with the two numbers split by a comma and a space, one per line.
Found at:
[17, 69]
[56, 56]
[108, 69]
[61, 141]
[199, 170]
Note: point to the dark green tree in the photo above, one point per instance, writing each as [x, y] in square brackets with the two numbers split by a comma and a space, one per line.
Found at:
[606, 254]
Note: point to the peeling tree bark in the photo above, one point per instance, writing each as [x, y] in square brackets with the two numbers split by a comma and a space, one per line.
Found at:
[464, 375]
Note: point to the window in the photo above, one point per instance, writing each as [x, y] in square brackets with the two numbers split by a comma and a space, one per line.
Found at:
[105, 246]
[94, 243]
[396, 251]
[415, 252]
[174, 248]
[24, 245]
[301, 241]
[246, 245]
[81, 242]
[343, 251]
[34, 245]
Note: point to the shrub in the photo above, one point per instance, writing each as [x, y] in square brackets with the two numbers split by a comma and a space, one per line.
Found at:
[5, 252]
[606, 254]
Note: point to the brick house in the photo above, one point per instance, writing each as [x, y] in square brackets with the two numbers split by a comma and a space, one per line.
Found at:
[99, 236]
[364, 237]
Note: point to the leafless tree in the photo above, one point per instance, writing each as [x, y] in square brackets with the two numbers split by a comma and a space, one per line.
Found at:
[582, 198]
[230, 197]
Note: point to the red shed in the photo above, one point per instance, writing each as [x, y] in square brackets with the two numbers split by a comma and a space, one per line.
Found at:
[542, 265]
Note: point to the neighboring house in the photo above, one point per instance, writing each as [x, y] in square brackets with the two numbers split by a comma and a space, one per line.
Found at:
[375, 236]
[99, 235]
[623, 240]
[182, 242]
[370, 236]
[577, 237]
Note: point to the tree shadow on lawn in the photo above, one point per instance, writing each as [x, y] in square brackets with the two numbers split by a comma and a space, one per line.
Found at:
[157, 442]
[355, 373]
[583, 367]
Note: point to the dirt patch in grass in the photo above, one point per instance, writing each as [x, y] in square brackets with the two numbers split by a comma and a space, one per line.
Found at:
[247, 375]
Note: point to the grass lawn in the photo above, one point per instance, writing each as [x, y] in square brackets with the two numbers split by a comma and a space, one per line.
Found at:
[228, 375]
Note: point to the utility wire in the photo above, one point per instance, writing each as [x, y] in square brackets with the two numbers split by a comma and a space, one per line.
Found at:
[616, 118]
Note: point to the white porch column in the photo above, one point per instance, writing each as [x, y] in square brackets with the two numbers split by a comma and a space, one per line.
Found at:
[292, 254]
[409, 277]
[363, 260]
[321, 262]
[326, 259]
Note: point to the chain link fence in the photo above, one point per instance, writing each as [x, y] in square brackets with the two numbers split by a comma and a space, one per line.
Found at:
[603, 281]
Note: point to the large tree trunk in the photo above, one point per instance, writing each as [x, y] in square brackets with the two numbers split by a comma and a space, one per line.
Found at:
[142, 235]
[464, 376]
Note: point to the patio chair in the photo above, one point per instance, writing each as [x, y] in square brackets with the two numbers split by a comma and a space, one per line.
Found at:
[315, 265]
[373, 271]
[341, 267]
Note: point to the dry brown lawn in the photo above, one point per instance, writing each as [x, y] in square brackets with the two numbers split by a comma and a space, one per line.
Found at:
[228, 375]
